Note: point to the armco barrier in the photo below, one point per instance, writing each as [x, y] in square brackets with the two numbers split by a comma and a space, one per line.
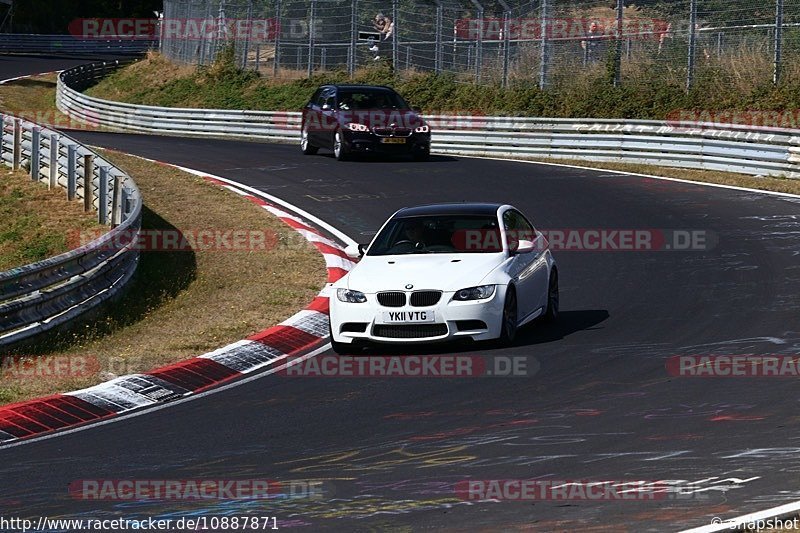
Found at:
[725, 147]
[18, 43]
[42, 295]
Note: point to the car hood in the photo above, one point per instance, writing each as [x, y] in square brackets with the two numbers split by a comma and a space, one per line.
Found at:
[445, 272]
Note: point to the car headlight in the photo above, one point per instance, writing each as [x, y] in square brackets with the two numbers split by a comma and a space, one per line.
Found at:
[474, 293]
[422, 129]
[353, 297]
[353, 126]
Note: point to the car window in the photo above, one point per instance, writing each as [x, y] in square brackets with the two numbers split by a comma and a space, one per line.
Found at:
[517, 228]
[371, 99]
[324, 96]
[438, 234]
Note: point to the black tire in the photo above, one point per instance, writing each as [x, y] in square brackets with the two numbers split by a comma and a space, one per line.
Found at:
[339, 147]
[508, 329]
[306, 147]
[342, 348]
[551, 313]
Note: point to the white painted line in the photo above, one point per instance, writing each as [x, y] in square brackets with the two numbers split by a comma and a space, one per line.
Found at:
[305, 214]
[9, 80]
[185, 399]
[782, 511]
[126, 399]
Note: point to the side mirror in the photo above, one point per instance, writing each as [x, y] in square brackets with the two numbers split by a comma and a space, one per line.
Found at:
[524, 247]
[355, 251]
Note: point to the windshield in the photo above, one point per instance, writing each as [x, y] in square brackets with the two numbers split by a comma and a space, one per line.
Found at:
[371, 99]
[442, 234]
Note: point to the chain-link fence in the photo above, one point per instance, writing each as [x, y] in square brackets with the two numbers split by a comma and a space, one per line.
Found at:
[551, 42]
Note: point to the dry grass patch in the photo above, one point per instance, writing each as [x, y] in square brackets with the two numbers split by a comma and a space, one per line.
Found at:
[35, 222]
[153, 72]
[34, 99]
[182, 303]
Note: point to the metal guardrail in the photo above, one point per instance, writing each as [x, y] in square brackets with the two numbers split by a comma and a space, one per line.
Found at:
[67, 44]
[708, 146]
[37, 297]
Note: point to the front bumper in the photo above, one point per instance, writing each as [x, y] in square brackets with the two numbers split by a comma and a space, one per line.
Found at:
[367, 142]
[453, 320]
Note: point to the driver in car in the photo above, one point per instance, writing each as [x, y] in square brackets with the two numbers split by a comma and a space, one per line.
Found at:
[413, 235]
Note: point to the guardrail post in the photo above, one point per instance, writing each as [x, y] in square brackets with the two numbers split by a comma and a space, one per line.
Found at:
[438, 53]
[17, 144]
[351, 56]
[692, 44]
[102, 201]
[53, 161]
[395, 36]
[311, 24]
[479, 41]
[36, 139]
[544, 53]
[116, 203]
[277, 60]
[776, 73]
[246, 45]
[72, 151]
[618, 44]
[506, 43]
[88, 177]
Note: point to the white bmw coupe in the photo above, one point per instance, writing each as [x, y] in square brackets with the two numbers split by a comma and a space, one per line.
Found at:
[445, 272]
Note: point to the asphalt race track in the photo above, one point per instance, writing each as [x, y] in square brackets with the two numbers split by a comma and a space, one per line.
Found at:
[25, 65]
[601, 404]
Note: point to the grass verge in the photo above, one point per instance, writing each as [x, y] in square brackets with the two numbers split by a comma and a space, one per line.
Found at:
[35, 222]
[34, 99]
[648, 92]
[179, 303]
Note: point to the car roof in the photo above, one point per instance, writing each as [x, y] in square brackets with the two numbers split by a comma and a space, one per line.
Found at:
[359, 87]
[463, 208]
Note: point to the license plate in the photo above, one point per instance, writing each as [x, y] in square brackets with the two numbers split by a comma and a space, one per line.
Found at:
[393, 140]
[408, 317]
